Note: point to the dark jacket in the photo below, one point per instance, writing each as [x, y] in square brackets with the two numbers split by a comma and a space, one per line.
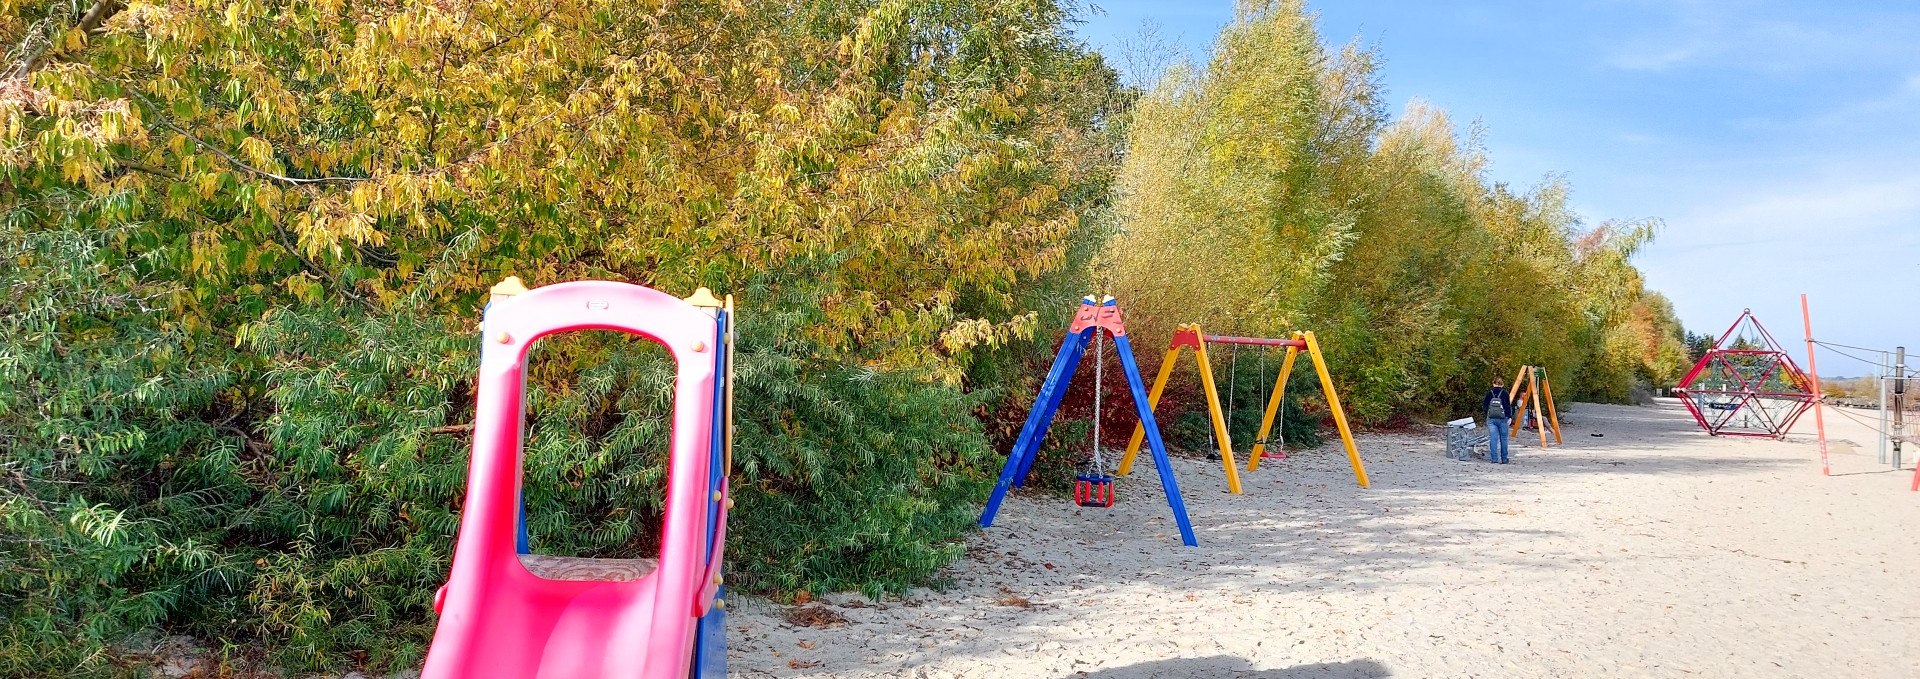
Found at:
[1497, 394]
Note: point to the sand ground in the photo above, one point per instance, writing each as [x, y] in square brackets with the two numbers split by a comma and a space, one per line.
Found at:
[1652, 551]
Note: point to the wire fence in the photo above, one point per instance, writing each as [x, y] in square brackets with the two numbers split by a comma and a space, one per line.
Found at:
[1836, 348]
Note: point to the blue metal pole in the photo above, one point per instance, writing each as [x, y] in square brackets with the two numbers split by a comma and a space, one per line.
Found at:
[717, 450]
[1038, 419]
[710, 636]
[1159, 448]
[1079, 342]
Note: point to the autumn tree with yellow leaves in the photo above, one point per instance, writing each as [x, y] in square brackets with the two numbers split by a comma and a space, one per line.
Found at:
[1267, 190]
[246, 244]
[244, 247]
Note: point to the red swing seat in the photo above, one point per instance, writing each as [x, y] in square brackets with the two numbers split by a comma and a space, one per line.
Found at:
[1093, 490]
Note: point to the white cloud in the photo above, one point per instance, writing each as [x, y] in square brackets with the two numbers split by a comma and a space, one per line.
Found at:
[1850, 241]
[1734, 38]
[1653, 58]
[1809, 213]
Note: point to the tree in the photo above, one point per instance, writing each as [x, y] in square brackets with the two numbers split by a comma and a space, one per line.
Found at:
[248, 245]
[1698, 344]
[1267, 191]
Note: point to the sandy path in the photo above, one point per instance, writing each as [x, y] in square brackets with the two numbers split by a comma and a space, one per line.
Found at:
[1654, 551]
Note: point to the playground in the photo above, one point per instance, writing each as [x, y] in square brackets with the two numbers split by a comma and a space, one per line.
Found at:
[601, 340]
[1653, 550]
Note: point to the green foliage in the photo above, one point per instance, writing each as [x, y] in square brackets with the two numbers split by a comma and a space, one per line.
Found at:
[246, 247]
[1245, 385]
[1698, 344]
[1268, 192]
[243, 250]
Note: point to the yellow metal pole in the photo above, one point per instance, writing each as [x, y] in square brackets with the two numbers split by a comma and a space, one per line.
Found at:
[1333, 404]
[1546, 387]
[1533, 381]
[1153, 401]
[1219, 420]
[1273, 408]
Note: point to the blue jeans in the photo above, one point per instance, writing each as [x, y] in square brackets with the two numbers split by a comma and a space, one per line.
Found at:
[1497, 440]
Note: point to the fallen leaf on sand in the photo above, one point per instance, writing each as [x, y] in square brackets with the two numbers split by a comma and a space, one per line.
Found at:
[1008, 598]
[815, 616]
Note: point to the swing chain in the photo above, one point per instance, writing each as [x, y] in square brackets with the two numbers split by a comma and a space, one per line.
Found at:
[1278, 429]
[1263, 379]
[1233, 374]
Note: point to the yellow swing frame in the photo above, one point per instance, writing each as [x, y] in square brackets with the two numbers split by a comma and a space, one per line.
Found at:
[1189, 335]
[1532, 381]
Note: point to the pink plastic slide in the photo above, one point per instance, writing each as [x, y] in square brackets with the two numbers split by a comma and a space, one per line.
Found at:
[507, 614]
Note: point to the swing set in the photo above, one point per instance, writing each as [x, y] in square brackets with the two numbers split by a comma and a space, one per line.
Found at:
[1531, 383]
[1188, 336]
[1092, 322]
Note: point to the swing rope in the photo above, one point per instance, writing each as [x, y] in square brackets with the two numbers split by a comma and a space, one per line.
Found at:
[1095, 488]
[1099, 385]
[1262, 374]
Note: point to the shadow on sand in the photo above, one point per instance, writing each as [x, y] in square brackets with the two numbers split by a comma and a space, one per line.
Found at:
[1226, 666]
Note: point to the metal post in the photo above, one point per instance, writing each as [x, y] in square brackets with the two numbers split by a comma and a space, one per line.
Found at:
[1899, 400]
[1880, 395]
[1813, 372]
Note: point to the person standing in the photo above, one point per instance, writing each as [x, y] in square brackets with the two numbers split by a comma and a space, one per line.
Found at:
[1499, 414]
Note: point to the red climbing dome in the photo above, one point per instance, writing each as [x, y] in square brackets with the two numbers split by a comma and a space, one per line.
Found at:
[1746, 385]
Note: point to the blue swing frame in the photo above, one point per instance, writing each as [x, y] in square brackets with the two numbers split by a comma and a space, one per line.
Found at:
[1047, 403]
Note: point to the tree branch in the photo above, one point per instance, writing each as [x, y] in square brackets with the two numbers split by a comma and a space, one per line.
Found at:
[36, 56]
[143, 167]
[233, 160]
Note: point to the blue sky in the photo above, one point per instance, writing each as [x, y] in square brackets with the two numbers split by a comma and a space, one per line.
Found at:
[1780, 141]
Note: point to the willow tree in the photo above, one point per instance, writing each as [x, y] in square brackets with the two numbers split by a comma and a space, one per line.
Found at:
[247, 243]
[1267, 191]
[1233, 203]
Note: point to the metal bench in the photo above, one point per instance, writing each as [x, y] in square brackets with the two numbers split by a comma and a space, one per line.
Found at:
[1463, 438]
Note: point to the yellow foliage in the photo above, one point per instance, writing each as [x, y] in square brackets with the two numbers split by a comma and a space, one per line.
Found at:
[1266, 191]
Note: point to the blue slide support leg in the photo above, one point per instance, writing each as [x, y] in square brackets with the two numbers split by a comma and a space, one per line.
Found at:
[710, 633]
